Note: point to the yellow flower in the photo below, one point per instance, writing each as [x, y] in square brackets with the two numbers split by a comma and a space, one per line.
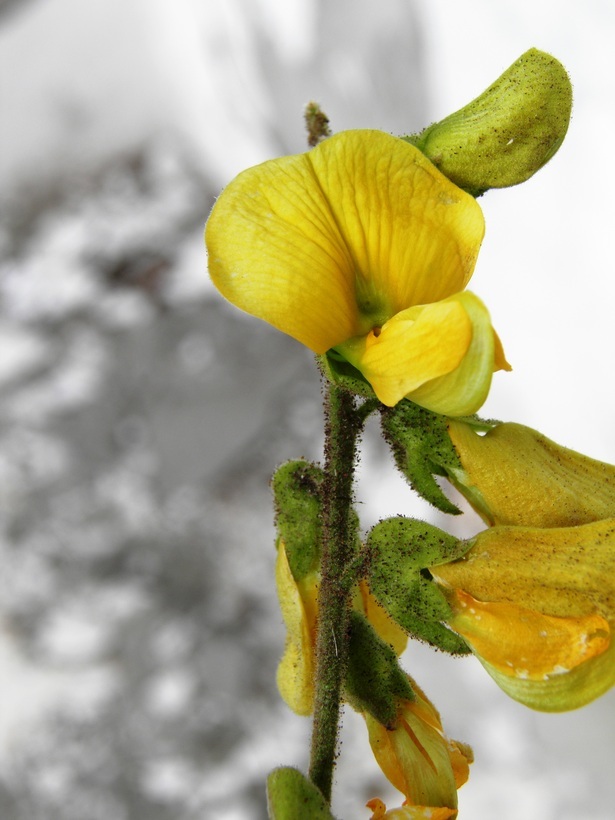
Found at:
[537, 606]
[299, 605]
[363, 247]
[515, 475]
[418, 759]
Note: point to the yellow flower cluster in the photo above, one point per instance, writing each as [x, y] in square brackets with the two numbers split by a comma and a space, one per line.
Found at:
[535, 594]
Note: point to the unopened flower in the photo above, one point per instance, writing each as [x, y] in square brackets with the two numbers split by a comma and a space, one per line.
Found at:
[537, 607]
[419, 760]
[363, 248]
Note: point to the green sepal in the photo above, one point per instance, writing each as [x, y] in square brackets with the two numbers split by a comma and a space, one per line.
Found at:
[507, 133]
[375, 682]
[400, 550]
[421, 448]
[297, 492]
[291, 796]
[340, 372]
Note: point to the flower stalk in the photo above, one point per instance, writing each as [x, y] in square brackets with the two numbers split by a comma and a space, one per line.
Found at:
[343, 425]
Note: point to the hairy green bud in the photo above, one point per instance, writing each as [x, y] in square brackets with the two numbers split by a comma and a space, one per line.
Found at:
[291, 796]
[507, 133]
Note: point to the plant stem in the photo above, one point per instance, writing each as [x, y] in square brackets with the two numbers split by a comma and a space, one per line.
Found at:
[343, 424]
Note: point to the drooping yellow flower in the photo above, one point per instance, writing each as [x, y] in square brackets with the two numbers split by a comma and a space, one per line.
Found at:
[515, 475]
[419, 760]
[537, 607]
[363, 247]
[299, 605]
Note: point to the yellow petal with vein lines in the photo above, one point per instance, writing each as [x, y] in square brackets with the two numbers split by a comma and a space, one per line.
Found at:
[321, 245]
[564, 571]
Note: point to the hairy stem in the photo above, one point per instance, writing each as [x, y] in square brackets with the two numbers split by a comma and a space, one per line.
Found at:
[343, 423]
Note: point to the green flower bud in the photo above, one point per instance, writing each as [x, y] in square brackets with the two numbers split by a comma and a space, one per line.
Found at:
[508, 133]
[291, 796]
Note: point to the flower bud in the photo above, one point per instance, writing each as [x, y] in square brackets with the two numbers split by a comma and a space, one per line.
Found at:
[507, 133]
[418, 758]
[290, 795]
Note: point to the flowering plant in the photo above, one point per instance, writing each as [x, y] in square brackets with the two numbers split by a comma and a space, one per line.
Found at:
[361, 249]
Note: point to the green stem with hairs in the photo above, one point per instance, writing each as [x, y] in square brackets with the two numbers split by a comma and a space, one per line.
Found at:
[343, 425]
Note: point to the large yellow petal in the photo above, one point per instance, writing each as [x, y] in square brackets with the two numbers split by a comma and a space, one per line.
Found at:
[413, 235]
[327, 245]
[275, 251]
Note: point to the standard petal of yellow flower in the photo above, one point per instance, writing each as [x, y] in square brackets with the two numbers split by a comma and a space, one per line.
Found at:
[295, 676]
[515, 475]
[416, 757]
[526, 644]
[327, 245]
[413, 235]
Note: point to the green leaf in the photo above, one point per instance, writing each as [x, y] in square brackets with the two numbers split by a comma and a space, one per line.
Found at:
[291, 796]
[422, 448]
[375, 682]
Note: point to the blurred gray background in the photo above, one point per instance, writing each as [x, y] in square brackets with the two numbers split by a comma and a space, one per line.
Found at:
[141, 416]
